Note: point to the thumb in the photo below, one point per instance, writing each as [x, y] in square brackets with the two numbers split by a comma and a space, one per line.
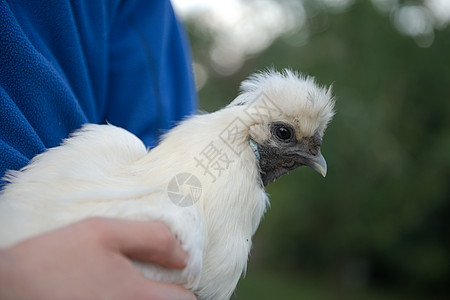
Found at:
[148, 241]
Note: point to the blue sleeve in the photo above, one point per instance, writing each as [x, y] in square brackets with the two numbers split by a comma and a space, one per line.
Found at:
[64, 63]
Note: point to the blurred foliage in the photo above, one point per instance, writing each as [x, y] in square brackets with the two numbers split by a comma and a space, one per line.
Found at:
[381, 218]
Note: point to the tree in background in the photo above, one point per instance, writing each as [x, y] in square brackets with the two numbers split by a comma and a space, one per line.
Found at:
[381, 218]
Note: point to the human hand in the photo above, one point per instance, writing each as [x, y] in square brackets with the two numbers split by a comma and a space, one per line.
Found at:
[91, 260]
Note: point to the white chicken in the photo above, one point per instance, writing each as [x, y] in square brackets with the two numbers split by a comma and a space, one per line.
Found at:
[205, 179]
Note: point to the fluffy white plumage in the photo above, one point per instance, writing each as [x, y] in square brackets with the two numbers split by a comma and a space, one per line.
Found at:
[102, 170]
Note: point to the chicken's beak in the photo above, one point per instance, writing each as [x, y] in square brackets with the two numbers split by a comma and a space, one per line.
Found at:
[275, 161]
[317, 163]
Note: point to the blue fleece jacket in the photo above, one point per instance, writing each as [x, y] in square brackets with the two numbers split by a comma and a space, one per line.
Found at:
[64, 63]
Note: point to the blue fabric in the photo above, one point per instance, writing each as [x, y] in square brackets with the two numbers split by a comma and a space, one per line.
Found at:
[64, 63]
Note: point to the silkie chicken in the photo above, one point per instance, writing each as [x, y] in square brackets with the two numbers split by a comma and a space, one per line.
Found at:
[205, 179]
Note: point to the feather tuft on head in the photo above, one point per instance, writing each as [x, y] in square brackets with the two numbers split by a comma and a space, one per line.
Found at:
[296, 96]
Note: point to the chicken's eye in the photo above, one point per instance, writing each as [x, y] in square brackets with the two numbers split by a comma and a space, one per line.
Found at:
[283, 133]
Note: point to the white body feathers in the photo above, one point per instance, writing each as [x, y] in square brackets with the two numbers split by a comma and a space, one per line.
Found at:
[103, 170]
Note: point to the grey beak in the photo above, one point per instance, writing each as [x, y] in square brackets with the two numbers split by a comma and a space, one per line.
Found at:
[317, 163]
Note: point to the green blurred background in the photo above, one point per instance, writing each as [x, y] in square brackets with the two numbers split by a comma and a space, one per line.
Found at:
[378, 226]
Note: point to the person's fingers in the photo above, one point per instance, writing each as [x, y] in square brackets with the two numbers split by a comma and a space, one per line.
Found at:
[158, 290]
[142, 240]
